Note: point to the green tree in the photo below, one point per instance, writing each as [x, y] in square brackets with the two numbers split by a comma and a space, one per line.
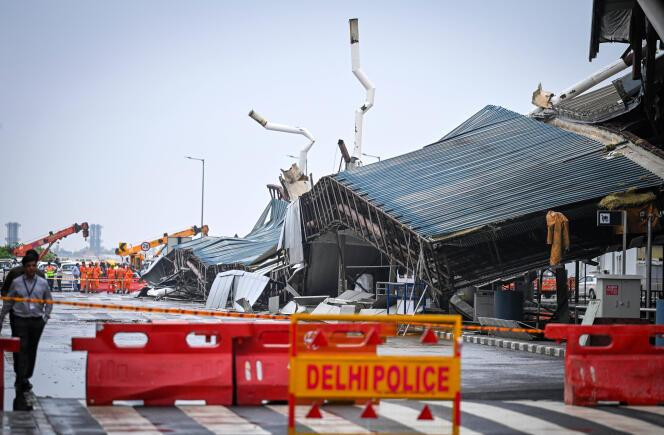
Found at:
[5, 252]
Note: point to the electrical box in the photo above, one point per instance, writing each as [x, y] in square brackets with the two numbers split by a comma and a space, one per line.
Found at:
[619, 296]
[483, 304]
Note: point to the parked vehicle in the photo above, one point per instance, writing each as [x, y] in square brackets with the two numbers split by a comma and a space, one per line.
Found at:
[588, 287]
[65, 273]
[5, 266]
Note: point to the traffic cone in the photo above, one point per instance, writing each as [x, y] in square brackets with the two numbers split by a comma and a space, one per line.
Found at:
[429, 337]
[425, 414]
[314, 412]
[369, 412]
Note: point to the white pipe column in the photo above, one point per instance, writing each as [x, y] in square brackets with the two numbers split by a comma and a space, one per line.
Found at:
[288, 129]
[364, 80]
[587, 83]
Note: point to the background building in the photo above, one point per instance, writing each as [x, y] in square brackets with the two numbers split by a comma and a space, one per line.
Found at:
[12, 233]
[95, 238]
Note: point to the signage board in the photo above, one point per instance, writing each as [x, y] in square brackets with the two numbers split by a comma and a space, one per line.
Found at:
[609, 218]
[362, 376]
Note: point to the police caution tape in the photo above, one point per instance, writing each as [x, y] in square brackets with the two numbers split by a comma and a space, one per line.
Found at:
[371, 377]
[412, 320]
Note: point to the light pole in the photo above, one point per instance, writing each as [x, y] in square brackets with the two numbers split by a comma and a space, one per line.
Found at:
[202, 186]
[371, 155]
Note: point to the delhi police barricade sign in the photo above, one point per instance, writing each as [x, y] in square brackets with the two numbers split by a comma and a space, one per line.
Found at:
[323, 368]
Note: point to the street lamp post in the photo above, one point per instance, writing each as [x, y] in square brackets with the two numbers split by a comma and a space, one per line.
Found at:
[202, 186]
[371, 155]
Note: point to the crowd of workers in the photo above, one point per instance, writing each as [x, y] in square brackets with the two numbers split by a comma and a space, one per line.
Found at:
[93, 276]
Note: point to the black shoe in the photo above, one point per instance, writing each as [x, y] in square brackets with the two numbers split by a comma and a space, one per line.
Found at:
[22, 386]
[20, 404]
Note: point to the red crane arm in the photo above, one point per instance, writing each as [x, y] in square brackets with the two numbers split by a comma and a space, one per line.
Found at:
[52, 237]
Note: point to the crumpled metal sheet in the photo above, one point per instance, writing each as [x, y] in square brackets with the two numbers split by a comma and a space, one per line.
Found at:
[238, 284]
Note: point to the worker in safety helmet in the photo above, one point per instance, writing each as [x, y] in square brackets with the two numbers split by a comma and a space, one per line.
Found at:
[110, 278]
[50, 274]
[129, 275]
[119, 278]
[29, 319]
[96, 272]
[84, 277]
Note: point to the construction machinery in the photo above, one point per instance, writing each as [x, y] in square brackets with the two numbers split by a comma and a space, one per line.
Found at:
[136, 252]
[49, 240]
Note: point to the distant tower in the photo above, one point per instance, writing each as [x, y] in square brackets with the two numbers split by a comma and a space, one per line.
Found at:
[12, 233]
[95, 238]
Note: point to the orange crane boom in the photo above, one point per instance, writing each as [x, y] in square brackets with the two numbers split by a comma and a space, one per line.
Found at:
[49, 240]
[125, 250]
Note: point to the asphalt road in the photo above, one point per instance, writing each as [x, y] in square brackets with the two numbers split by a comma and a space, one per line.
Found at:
[487, 372]
[503, 391]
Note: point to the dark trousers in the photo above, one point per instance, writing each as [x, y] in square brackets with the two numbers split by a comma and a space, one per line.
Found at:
[50, 283]
[29, 330]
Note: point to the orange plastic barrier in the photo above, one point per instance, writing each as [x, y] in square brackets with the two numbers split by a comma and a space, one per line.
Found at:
[625, 367]
[261, 364]
[7, 344]
[166, 367]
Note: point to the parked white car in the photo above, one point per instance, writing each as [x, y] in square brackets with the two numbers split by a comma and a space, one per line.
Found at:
[65, 273]
[588, 287]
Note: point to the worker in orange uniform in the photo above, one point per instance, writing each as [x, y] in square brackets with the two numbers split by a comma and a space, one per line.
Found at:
[110, 277]
[84, 277]
[96, 272]
[119, 278]
[91, 267]
[129, 275]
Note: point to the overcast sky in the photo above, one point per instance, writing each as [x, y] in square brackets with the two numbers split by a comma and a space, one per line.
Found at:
[101, 100]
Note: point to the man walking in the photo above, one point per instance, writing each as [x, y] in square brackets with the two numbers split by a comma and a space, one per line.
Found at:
[76, 275]
[28, 321]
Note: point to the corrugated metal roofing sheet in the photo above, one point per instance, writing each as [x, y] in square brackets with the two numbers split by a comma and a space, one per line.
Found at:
[495, 166]
[262, 240]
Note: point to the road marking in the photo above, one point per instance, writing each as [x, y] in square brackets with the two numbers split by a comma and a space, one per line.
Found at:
[122, 419]
[659, 410]
[330, 423]
[220, 419]
[616, 421]
[514, 420]
[408, 417]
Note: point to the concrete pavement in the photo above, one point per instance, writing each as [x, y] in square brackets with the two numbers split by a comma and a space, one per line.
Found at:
[503, 392]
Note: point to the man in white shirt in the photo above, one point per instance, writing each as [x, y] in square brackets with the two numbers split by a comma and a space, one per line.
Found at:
[29, 319]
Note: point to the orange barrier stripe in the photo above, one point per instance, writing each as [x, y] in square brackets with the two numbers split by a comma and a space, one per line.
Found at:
[149, 309]
[239, 315]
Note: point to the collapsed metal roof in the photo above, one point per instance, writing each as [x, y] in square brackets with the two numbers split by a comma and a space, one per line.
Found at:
[191, 267]
[496, 166]
[461, 206]
[260, 242]
[603, 104]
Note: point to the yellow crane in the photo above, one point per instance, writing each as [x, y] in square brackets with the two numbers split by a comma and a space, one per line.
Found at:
[135, 252]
